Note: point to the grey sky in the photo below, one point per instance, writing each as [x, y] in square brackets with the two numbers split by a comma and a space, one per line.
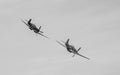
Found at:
[94, 25]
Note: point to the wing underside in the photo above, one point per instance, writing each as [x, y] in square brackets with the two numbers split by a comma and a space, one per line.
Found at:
[42, 35]
[24, 22]
[82, 56]
[60, 43]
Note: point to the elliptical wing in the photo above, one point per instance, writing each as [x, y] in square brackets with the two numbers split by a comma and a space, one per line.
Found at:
[24, 22]
[42, 35]
[60, 43]
[82, 56]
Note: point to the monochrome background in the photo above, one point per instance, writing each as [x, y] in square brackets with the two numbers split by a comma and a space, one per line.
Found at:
[93, 25]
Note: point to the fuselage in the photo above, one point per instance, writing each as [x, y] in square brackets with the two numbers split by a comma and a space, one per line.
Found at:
[68, 46]
[74, 51]
[33, 27]
[71, 48]
[36, 30]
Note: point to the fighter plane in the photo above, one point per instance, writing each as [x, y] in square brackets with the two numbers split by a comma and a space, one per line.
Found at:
[71, 48]
[33, 27]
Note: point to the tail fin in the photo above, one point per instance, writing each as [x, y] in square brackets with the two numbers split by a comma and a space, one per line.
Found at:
[78, 49]
[67, 41]
[39, 29]
[29, 20]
